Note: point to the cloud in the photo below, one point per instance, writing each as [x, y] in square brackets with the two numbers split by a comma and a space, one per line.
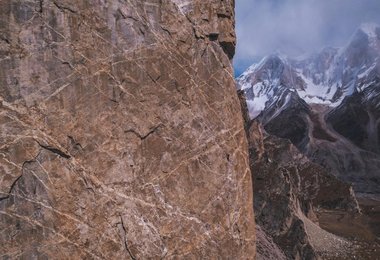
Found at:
[296, 27]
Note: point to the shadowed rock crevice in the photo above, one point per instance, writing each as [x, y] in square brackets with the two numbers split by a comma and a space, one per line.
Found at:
[17, 180]
[144, 136]
[61, 7]
[228, 48]
[41, 6]
[55, 151]
[125, 239]
[11, 188]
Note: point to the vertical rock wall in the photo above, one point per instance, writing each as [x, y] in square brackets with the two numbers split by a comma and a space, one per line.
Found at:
[120, 131]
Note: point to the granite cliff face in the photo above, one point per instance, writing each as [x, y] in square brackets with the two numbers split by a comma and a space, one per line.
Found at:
[119, 131]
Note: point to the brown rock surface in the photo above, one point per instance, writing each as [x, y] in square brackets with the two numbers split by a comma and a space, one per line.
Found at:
[119, 132]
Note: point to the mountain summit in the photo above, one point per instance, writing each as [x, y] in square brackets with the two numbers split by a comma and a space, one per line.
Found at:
[328, 105]
[323, 78]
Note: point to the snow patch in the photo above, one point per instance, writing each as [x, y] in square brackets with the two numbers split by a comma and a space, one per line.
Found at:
[369, 29]
[183, 5]
[256, 106]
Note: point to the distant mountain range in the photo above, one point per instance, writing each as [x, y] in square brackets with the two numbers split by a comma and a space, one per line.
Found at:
[327, 104]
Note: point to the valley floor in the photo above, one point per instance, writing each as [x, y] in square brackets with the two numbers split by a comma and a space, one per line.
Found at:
[362, 231]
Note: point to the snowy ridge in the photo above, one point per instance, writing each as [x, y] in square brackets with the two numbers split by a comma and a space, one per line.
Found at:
[324, 78]
[261, 82]
[369, 29]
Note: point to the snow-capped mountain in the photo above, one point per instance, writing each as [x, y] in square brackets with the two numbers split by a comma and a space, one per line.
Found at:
[327, 105]
[323, 78]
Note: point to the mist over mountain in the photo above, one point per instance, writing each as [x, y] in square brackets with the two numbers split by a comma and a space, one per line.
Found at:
[325, 78]
[329, 103]
[318, 119]
[296, 28]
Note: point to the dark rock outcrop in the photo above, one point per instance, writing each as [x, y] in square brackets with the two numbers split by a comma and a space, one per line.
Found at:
[343, 140]
[287, 117]
[358, 118]
[121, 135]
[266, 248]
[288, 189]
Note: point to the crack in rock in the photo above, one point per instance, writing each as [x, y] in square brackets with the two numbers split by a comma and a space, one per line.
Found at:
[64, 8]
[125, 239]
[17, 179]
[143, 137]
[55, 150]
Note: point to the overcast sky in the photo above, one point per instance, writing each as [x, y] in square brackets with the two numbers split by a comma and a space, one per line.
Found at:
[296, 27]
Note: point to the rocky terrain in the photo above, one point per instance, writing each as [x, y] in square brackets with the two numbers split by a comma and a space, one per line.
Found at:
[123, 137]
[289, 191]
[121, 134]
[313, 130]
[329, 103]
